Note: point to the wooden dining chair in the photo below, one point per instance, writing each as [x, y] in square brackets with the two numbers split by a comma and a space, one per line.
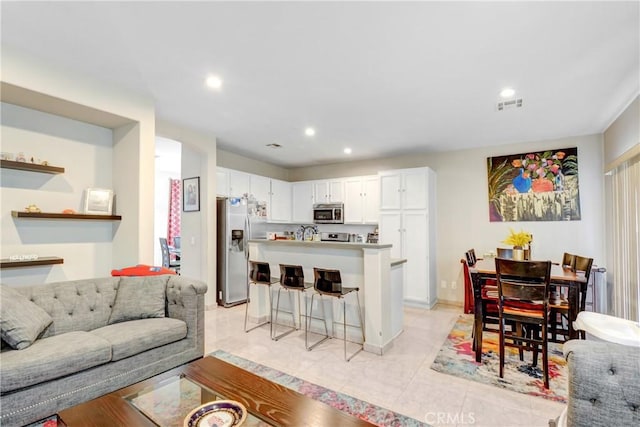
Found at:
[506, 253]
[523, 299]
[489, 300]
[559, 313]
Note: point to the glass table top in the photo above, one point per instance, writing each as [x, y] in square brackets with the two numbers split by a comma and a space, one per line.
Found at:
[168, 402]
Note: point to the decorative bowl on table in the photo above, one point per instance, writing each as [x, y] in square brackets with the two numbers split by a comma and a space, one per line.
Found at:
[219, 413]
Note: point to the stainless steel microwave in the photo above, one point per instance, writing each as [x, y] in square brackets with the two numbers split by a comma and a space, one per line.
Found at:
[328, 213]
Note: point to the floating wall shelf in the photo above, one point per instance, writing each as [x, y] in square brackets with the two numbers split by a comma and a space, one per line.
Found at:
[24, 166]
[47, 260]
[50, 215]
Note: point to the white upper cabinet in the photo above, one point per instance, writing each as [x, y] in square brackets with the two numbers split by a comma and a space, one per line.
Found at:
[222, 182]
[260, 188]
[371, 202]
[302, 200]
[328, 191]
[280, 206]
[239, 184]
[361, 200]
[404, 189]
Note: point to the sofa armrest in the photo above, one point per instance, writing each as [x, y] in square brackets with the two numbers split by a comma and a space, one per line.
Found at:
[604, 383]
[185, 301]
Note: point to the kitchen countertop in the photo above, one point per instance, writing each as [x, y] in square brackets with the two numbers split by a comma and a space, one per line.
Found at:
[337, 245]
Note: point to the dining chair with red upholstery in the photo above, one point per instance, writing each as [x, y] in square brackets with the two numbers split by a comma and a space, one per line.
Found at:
[523, 299]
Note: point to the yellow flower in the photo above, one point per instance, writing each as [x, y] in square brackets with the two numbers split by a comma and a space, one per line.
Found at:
[517, 239]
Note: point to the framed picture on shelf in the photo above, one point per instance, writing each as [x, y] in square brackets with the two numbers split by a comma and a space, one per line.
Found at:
[98, 201]
[191, 194]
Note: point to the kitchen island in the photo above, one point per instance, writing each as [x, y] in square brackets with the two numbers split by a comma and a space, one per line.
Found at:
[364, 265]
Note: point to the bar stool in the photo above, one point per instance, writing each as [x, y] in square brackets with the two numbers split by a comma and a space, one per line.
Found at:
[291, 279]
[259, 274]
[329, 283]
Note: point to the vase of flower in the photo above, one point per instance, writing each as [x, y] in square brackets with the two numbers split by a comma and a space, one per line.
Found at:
[518, 241]
[518, 253]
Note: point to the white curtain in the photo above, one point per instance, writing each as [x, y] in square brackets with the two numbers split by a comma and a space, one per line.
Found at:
[623, 238]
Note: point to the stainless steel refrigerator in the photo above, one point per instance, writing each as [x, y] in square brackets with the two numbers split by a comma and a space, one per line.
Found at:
[234, 228]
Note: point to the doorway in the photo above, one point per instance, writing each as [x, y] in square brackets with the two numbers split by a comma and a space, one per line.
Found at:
[168, 201]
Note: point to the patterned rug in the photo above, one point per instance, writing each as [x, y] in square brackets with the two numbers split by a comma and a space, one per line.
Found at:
[343, 402]
[458, 359]
[358, 408]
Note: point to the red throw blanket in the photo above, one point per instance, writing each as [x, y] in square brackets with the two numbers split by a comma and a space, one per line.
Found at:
[142, 270]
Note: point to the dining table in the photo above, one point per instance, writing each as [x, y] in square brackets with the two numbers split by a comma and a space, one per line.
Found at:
[485, 269]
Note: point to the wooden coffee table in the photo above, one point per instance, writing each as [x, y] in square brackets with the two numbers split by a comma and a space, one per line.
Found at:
[268, 403]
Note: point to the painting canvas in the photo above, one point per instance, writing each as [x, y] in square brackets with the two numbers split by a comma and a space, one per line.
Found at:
[534, 186]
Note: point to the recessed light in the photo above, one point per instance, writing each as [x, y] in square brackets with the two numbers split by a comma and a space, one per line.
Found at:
[347, 150]
[214, 82]
[309, 131]
[507, 92]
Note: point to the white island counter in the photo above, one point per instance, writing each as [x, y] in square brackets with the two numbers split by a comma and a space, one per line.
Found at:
[364, 265]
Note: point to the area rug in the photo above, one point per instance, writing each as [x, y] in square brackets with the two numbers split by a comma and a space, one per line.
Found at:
[343, 402]
[457, 358]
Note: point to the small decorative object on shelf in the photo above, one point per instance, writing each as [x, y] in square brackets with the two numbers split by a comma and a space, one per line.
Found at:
[6, 156]
[27, 257]
[32, 208]
[98, 201]
[69, 211]
[21, 158]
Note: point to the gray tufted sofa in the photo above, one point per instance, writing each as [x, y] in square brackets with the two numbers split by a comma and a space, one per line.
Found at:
[604, 384]
[84, 353]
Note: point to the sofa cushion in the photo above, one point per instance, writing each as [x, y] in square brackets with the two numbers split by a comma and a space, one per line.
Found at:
[139, 298]
[136, 336]
[21, 321]
[52, 357]
[75, 305]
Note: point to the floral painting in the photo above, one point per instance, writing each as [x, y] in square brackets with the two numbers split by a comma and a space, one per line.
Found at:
[534, 186]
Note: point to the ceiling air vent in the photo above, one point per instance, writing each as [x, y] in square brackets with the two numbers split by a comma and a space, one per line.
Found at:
[509, 104]
[274, 145]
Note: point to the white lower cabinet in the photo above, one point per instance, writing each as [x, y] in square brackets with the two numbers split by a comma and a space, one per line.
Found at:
[411, 231]
[408, 233]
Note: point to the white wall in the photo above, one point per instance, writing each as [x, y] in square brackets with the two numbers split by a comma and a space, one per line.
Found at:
[623, 135]
[132, 160]
[85, 151]
[237, 162]
[463, 208]
[198, 229]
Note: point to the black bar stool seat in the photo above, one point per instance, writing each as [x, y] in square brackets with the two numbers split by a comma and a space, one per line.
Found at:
[329, 283]
[291, 279]
[259, 274]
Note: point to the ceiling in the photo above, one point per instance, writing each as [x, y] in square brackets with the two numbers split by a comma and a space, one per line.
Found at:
[383, 78]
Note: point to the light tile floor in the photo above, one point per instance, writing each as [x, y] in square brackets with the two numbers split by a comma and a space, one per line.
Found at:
[400, 380]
